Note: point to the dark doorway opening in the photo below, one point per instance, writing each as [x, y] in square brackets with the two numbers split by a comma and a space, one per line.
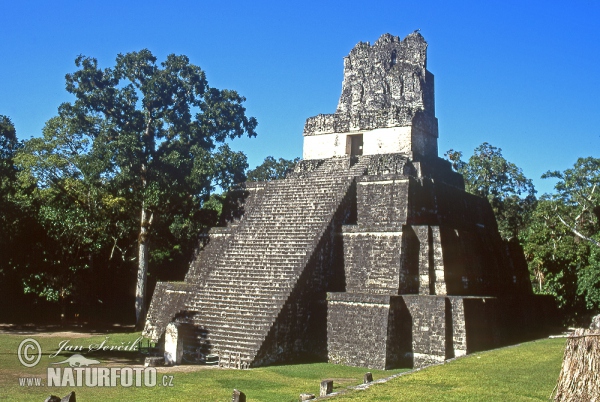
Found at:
[356, 145]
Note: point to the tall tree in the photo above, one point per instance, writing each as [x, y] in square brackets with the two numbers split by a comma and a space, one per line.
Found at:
[562, 242]
[488, 174]
[153, 133]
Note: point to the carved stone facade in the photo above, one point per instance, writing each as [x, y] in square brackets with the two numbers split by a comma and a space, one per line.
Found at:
[387, 104]
[376, 258]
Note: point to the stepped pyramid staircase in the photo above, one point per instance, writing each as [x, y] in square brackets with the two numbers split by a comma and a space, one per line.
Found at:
[239, 292]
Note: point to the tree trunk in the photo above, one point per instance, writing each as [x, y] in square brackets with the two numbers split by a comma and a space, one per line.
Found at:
[63, 308]
[142, 274]
[145, 223]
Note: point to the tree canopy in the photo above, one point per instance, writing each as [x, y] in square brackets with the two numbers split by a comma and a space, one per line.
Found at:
[488, 174]
[578, 193]
[8, 148]
[272, 169]
[562, 241]
[134, 158]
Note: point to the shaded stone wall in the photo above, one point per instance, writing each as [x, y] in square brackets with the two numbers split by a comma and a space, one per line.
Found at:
[428, 316]
[357, 330]
[372, 261]
[438, 248]
[451, 243]
[382, 201]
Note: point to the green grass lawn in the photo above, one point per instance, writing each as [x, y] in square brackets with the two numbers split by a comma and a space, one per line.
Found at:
[525, 372]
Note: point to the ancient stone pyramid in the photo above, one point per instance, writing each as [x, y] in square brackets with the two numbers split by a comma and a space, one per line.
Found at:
[370, 253]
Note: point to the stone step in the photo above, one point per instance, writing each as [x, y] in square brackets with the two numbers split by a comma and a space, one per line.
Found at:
[256, 324]
[257, 268]
[218, 300]
[254, 275]
[257, 295]
[247, 288]
[239, 341]
[264, 253]
[212, 324]
[249, 324]
[232, 282]
[231, 348]
[237, 307]
[222, 305]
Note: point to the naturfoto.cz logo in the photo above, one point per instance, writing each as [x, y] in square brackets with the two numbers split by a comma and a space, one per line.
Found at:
[78, 372]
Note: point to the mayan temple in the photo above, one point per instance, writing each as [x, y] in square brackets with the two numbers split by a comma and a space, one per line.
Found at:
[370, 253]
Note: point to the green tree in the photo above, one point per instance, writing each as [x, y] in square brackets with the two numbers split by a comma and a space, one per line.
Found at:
[21, 237]
[488, 174]
[562, 242]
[8, 146]
[10, 213]
[578, 191]
[154, 139]
[272, 169]
[554, 256]
[76, 214]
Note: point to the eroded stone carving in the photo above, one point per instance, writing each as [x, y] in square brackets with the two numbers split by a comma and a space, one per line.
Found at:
[385, 86]
[390, 74]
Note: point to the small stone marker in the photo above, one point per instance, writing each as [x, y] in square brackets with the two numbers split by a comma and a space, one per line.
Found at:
[368, 378]
[238, 396]
[326, 387]
[306, 397]
[154, 361]
[52, 398]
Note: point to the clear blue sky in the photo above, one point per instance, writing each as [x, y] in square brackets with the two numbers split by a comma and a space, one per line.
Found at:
[521, 75]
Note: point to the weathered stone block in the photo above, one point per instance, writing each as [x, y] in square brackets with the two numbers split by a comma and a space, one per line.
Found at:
[357, 329]
[382, 201]
[326, 387]
[238, 396]
[372, 261]
[428, 315]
